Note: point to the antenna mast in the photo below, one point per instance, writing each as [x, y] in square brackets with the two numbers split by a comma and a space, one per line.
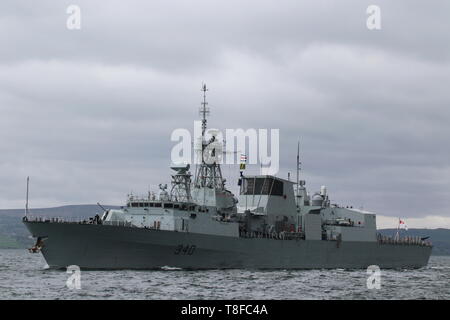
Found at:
[28, 188]
[204, 110]
[298, 170]
[208, 174]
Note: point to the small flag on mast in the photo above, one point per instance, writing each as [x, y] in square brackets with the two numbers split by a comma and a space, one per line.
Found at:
[243, 161]
[402, 224]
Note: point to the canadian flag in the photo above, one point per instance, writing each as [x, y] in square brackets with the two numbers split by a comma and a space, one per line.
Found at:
[402, 224]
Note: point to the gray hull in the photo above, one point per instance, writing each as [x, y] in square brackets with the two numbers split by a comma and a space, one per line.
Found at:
[116, 247]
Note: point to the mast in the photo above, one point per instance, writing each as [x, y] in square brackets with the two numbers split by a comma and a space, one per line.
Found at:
[26, 204]
[298, 171]
[397, 235]
[208, 174]
[204, 111]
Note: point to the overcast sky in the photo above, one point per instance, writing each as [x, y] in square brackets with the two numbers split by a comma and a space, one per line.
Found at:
[88, 113]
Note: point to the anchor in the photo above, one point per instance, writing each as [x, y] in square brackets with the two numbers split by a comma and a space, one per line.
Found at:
[38, 246]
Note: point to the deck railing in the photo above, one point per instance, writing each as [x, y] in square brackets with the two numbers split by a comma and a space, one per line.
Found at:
[76, 220]
[403, 241]
[284, 235]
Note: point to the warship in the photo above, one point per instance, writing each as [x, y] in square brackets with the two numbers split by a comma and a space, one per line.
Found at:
[274, 223]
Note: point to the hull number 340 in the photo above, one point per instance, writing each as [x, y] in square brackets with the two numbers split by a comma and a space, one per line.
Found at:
[184, 250]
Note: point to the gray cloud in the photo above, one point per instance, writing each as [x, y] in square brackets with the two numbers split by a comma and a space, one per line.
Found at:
[89, 113]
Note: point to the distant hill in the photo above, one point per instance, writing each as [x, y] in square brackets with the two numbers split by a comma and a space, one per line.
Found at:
[13, 233]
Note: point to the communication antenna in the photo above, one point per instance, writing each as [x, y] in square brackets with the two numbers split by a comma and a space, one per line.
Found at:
[204, 110]
[298, 169]
[103, 208]
[28, 189]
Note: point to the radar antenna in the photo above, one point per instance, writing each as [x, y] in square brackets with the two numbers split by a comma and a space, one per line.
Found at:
[181, 184]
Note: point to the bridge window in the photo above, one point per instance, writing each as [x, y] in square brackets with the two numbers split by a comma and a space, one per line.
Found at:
[262, 186]
[277, 188]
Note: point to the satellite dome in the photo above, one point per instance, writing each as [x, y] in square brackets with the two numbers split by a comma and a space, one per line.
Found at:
[317, 200]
